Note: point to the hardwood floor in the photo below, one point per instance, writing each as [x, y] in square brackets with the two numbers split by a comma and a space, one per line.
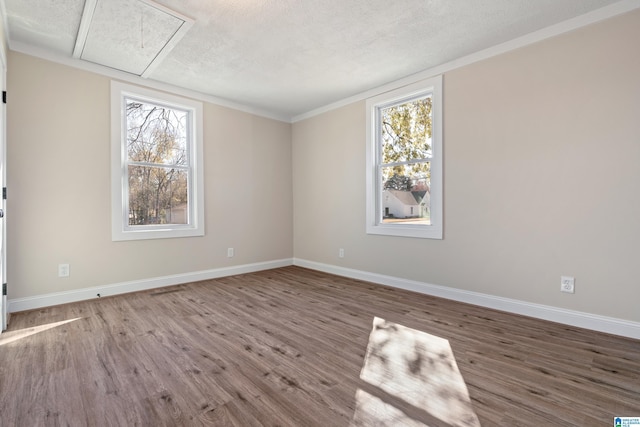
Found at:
[288, 347]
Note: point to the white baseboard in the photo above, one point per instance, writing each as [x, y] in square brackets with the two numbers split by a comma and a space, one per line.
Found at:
[568, 317]
[56, 298]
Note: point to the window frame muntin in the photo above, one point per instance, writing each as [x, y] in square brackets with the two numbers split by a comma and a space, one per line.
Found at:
[374, 207]
[120, 228]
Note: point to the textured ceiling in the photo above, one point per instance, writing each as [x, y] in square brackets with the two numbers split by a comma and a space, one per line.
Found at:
[289, 57]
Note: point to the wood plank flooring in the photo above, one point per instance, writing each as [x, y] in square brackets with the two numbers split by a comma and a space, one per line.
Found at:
[286, 347]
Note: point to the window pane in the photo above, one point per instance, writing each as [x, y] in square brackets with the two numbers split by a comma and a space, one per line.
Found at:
[406, 194]
[156, 134]
[406, 131]
[157, 195]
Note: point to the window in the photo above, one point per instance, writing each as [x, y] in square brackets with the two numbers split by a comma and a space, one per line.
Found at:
[156, 161]
[404, 161]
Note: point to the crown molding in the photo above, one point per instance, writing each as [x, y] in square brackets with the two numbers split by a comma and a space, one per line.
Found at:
[589, 18]
[140, 81]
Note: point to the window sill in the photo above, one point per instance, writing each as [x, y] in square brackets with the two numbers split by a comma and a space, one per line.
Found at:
[162, 233]
[415, 231]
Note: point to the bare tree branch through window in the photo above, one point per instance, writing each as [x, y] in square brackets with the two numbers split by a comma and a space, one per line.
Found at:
[158, 164]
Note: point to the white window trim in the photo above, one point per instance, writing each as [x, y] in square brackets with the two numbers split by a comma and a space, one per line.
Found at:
[373, 181]
[119, 215]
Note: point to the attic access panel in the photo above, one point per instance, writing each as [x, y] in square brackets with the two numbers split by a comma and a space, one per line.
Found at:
[129, 35]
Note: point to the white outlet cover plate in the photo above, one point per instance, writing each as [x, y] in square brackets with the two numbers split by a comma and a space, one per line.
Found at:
[567, 284]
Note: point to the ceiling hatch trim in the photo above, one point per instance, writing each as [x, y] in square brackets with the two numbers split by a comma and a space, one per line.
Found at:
[133, 36]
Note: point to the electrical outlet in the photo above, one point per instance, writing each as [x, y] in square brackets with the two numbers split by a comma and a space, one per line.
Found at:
[567, 284]
[340, 253]
[63, 270]
[230, 252]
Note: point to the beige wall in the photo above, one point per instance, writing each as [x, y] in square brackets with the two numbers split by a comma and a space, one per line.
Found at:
[59, 188]
[541, 178]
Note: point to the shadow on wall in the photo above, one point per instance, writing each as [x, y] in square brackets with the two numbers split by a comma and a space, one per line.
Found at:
[410, 378]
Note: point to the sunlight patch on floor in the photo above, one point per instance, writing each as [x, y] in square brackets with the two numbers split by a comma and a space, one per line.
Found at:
[412, 379]
[11, 336]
